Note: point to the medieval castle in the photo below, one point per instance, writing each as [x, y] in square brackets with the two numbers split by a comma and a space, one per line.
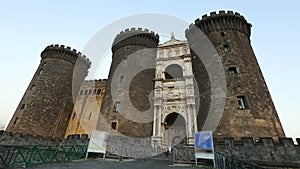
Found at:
[178, 95]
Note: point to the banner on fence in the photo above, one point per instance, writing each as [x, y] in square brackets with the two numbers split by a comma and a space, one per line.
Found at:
[97, 142]
[204, 147]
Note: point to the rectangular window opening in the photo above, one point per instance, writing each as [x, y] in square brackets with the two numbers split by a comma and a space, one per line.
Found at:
[98, 91]
[117, 107]
[242, 102]
[232, 70]
[114, 125]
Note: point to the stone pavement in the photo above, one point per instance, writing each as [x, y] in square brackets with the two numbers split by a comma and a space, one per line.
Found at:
[115, 164]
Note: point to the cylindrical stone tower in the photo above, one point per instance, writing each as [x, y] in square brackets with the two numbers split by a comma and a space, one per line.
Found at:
[47, 104]
[249, 110]
[126, 106]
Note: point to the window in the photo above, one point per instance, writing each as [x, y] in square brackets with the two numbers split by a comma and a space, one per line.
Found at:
[90, 116]
[32, 87]
[90, 91]
[117, 107]
[121, 79]
[98, 91]
[242, 102]
[232, 70]
[81, 92]
[226, 48]
[127, 48]
[73, 116]
[22, 106]
[16, 120]
[41, 71]
[86, 92]
[125, 60]
[223, 33]
[114, 125]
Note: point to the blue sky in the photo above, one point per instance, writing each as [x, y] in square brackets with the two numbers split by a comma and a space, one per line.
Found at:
[27, 27]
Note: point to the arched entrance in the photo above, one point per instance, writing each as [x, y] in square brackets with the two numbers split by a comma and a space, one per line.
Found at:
[175, 129]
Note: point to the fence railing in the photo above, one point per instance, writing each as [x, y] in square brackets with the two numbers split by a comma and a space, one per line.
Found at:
[24, 156]
[225, 162]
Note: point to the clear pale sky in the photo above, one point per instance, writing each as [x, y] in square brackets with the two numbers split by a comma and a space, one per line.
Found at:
[27, 27]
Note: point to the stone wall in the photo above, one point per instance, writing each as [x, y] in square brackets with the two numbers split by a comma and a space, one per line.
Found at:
[18, 139]
[265, 151]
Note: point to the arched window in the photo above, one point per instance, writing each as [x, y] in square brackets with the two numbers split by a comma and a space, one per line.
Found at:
[173, 72]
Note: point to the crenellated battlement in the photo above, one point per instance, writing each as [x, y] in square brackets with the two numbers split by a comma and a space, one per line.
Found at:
[266, 141]
[95, 81]
[135, 36]
[19, 139]
[223, 21]
[65, 53]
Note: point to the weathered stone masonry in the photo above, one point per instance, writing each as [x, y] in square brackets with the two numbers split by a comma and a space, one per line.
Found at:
[47, 104]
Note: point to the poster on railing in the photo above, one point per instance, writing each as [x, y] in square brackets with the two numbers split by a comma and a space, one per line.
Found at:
[98, 142]
[204, 147]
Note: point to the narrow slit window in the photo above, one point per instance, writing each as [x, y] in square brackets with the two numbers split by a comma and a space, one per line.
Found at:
[226, 48]
[121, 79]
[86, 92]
[90, 91]
[81, 92]
[22, 106]
[41, 71]
[125, 60]
[90, 116]
[242, 102]
[16, 120]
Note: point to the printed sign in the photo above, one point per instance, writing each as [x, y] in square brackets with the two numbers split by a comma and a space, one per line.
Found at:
[204, 147]
[98, 142]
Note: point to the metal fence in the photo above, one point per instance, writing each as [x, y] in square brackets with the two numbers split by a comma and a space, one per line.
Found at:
[225, 162]
[24, 156]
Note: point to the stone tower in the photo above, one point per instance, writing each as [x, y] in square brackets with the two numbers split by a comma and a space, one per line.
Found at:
[47, 104]
[126, 106]
[249, 110]
[174, 99]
